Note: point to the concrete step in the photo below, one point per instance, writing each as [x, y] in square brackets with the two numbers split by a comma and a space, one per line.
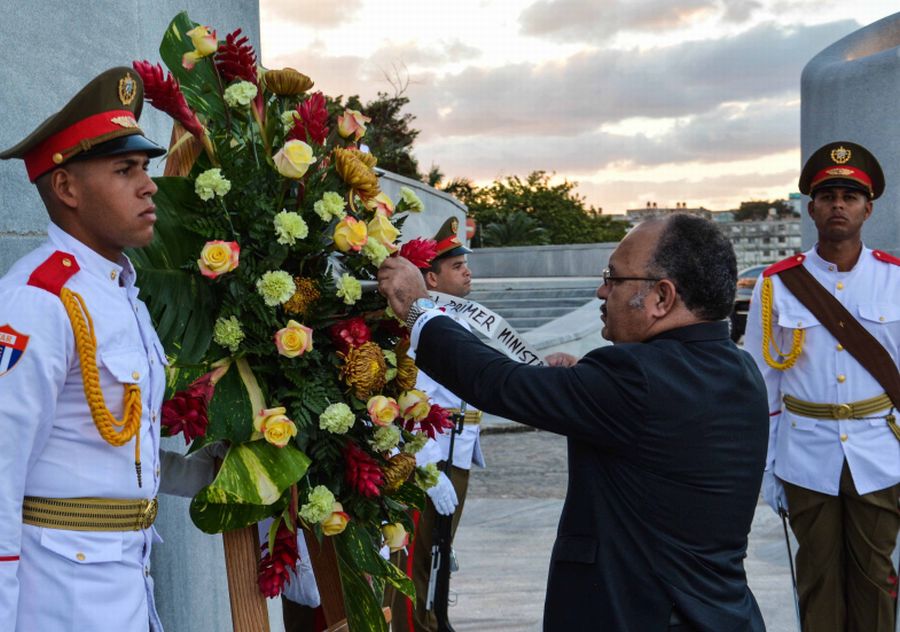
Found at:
[529, 303]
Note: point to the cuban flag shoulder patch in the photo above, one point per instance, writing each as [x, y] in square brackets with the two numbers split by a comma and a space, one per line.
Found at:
[12, 348]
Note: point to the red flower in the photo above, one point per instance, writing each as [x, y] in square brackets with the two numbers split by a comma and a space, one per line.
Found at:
[235, 59]
[362, 472]
[165, 95]
[419, 251]
[272, 571]
[312, 120]
[436, 422]
[187, 410]
[349, 334]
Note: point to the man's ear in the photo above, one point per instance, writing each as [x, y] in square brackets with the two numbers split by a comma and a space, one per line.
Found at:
[665, 297]
[431, 279]
[65, 187]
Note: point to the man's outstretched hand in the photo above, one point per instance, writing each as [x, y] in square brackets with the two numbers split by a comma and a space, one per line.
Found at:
[401, 283]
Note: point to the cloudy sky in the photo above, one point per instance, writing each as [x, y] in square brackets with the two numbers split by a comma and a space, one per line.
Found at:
[637, 100]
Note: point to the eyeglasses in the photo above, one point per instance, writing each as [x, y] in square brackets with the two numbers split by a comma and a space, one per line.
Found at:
[609, 279]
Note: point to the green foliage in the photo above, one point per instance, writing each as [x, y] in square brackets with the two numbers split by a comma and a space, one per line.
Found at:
[757, 210]
[555, 207]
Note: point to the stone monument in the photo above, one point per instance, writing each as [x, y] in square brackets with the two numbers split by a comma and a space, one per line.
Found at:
[851, 91]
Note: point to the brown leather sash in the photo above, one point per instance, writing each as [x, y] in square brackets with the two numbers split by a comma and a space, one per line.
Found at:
[855, 338]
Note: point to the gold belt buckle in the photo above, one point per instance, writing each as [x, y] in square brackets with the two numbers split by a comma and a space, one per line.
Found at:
[149, 508]
[841, 411]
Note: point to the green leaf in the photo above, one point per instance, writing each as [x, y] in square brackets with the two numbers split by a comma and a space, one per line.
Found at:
[180, 301]
[248, 487]
[200, 85]
[361, 552]
[230, 411]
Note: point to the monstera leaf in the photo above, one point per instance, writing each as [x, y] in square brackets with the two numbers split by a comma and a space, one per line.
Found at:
[195, 82]
[180, 303]
[253, 478]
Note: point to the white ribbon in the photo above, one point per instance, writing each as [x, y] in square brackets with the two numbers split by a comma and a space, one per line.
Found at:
[490, 324]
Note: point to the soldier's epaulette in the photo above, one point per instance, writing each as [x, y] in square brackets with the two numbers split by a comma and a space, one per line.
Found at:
[54, 273]
[785, 264]
[885, 257]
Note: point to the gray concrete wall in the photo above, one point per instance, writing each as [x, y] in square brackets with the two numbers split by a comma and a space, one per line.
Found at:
[50, 50]
[438, 207]
[571, 260]
[850, 92]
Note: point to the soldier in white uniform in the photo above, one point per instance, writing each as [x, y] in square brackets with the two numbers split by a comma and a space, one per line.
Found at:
[833, 459]
[448, 274]
[82, 380]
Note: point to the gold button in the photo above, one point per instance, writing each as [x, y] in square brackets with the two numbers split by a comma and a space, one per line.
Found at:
[793, 424]
[840, 347]
[881, 318]
[157, 471]
[112, 275]
[67, 263]
[843, 437]
[80, 557]
[57, 158]
[799, 323]
[153, 416]
[137, 376]
[840, 285]
[842, 378]
[831, 268]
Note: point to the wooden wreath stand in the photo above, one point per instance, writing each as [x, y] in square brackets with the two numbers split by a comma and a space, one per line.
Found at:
[248, 606]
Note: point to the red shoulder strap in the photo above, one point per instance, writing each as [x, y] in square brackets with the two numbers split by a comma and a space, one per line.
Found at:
[785, 264]
[53, 274]
[885, 257]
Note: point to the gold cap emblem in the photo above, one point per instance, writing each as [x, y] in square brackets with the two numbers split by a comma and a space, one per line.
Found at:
[124, 121]
[840, 155]
[839, 171]
[127, 89]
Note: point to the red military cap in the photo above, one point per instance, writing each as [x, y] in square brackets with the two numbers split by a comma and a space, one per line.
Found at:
[448, 243]
[101, 120]
[842, 164]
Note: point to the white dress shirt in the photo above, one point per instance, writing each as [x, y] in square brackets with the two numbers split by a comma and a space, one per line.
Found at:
[810, 452]
[53, 579]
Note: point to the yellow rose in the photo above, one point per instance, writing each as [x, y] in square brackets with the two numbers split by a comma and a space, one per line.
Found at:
[380, 228]
[205, 44]
[395, 536]
[268, 415]
[382, 410]
[350, 234]
[381, 204]
[293, 160]
[279, 431]
[352, 122]
[336, 522]
[218, 257]
[414, 404]
[294, 340]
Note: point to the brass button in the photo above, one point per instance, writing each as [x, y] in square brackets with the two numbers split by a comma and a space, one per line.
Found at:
[842, 378]
[881, 318]
[137, 376]
[153, 415]
[80, 557]
[112, 275]
[839, 347]
[57, 158]
[843, 437]
[67, 263]
[840, 285]
[831, 268]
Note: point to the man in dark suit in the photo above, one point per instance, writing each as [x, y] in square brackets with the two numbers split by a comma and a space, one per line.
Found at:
[667, 433]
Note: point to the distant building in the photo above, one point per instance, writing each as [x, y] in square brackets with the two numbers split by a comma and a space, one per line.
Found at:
[762, 242]
[638, 215]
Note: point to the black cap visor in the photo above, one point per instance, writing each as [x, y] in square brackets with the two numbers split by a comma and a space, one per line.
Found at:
[122, 145]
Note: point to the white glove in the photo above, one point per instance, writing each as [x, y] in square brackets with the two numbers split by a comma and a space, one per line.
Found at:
[443, 495]
[773, 492]
[184, 476]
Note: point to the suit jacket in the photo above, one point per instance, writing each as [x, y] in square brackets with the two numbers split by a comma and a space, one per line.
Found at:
[666, 442]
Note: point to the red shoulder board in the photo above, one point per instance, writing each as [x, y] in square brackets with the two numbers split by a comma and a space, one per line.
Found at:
[785, 264]
[53, 274]
[883, 256]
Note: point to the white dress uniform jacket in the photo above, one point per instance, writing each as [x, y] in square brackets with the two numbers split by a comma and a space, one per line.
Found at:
[54, 580]
[810, 452]
[467, 445]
